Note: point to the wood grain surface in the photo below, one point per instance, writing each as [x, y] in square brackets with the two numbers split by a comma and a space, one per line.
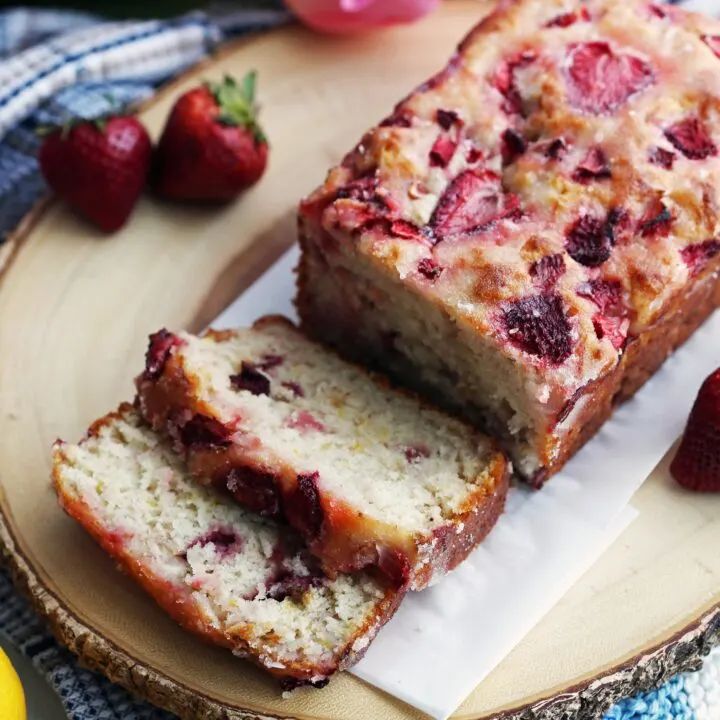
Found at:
[75, 311]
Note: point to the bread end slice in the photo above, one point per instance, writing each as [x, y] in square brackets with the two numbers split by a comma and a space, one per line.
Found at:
[230, 577]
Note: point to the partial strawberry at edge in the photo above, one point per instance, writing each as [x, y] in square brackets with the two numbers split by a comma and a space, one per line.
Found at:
[212, 147]
[98, 167]
[697, 463]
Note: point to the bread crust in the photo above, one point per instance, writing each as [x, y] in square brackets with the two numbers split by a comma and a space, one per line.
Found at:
[177, 600]
[345, 540]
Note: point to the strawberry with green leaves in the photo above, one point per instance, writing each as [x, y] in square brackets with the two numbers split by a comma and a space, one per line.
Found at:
[697, 463]
[212, 147]
[99, 167]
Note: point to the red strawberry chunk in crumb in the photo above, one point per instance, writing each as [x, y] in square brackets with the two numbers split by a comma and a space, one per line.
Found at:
[546, 271]
[225, 541]
[614, 329]
[698, 255]
[713, 42]
[416, 453]
[158, 353]
[363, 189]
[305, 510]
[691, 138]
[253, 489]
[606, 294]
[471, 199]
[304, 421]
[538, 325]
[294, 388]
[662, 157]
[284, 580]
[429, 269]
[697, 463]
[611, 322]
[505, 83]
[447, 118]
[590, 241]
[268, 362]
[407, 231]
[202, 430]
[252, 379]
[600, 80]
[394, 564]
[555, 149]
[442, 151]
[294, 586]
[656, 221]
[657, 11]
[474, 154]
[570, 18]
[595, 166]
[512, 145]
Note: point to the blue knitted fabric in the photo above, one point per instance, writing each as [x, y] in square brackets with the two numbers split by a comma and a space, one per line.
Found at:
[60, 65]
[670, 702]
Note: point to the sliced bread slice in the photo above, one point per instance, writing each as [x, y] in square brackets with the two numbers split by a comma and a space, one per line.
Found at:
[228, 575]
[368, 475]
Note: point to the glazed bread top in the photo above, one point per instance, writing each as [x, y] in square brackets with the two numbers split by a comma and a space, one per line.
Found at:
[554, 189]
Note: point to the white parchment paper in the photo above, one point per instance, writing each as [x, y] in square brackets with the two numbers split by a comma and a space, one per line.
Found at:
[439, 646]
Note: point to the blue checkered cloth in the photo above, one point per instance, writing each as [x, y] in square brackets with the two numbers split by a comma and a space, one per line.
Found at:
[59, 65]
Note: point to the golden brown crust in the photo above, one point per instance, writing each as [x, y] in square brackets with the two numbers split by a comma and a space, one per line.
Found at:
[346, 540]
[452, 547]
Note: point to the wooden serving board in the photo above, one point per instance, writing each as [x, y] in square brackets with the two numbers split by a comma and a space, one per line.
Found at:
[75, 311]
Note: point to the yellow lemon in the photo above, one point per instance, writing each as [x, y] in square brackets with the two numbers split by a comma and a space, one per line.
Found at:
[12, 698]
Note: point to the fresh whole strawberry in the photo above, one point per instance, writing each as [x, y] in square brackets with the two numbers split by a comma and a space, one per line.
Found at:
[212, 147]
[98, 167]
[697, 463]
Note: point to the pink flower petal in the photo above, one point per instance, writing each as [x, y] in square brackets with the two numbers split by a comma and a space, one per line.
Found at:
[350, 16]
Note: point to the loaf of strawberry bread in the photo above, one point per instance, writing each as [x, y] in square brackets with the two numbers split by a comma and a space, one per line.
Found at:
[228, 575]
[532, 231]
[368, 475]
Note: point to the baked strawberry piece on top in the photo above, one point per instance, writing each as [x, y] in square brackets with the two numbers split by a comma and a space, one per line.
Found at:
[530, 233]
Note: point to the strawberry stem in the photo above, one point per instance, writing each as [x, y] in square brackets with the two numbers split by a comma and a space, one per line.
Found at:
[237, 103]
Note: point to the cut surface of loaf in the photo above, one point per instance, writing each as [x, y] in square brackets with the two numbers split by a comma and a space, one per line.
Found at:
[226, 574]
[532, 231]
[368, 475]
